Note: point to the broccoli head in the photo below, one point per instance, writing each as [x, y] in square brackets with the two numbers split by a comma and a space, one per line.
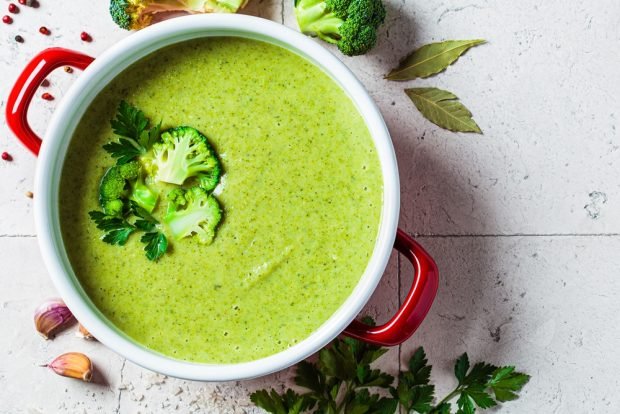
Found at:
[184, 153]
[125, 182]
[137, 14]
[192, 212]
[350, 24]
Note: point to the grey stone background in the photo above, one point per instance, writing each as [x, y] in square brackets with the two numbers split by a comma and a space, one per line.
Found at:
[523, 220]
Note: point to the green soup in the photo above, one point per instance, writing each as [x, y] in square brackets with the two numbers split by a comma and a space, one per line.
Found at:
[301, 195]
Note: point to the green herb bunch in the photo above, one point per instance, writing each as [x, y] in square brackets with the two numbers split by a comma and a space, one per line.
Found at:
[342, 381]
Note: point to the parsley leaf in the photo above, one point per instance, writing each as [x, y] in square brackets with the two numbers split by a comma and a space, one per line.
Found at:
[130, 122]
[461, 367]
[145, 222]
[136, 138]
[117, 230]
[309, 376]
[505, 383]
[156, 244]
[148, 137]
[287, 403]
[124, 150]
[479, 374]
[414, 392]
[465, 404]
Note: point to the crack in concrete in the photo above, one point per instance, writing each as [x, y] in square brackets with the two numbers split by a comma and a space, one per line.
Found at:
[456, 10]
[18, 235]
[447, 236]
[120, 390]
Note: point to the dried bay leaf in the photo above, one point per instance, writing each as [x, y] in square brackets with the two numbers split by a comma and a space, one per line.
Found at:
[431, 59]
[443, 109]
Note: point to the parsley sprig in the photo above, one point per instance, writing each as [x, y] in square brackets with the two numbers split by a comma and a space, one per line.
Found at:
[155, 241]
[132, 126]
[343, 382]
[118, 229]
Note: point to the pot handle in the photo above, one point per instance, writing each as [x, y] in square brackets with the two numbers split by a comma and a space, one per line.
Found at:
[26, 85]
[416, 305]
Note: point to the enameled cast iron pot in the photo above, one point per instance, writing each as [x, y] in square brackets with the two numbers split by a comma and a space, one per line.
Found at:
[97, 74]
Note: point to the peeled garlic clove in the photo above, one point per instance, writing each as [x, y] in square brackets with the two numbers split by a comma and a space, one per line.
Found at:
[51, 316]
[83, 333]
[73, 365]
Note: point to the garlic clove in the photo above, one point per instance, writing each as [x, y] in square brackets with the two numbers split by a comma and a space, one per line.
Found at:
[83, 333]
[51, 316]
[73, 365]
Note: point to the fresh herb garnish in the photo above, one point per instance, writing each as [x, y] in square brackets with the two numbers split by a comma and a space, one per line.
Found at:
[156, 244]
[130, 122]
[132, 126]
[155, 241]
[130, 190]
[342, 382]
[117, 230]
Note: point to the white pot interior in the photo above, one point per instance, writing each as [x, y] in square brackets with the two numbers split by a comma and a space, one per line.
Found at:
[56, 141]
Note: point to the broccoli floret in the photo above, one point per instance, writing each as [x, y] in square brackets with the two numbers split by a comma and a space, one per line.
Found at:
[137, 14]
[192, 211]
[184, 153]
[350, 24]
[125, 182]
[111, 190]
[129, 171]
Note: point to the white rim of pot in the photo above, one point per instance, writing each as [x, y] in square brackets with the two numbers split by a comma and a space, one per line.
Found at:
[67, 116]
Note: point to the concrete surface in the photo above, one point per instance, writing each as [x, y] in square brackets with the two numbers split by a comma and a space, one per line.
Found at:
[523, 220]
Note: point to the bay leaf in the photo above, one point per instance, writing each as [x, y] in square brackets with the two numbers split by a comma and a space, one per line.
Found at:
[443, 109]
[431, 59]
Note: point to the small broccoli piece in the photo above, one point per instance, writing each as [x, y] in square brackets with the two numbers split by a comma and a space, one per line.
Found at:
[350, 24]
[114, 191]
[129, 171]
[192, 211]
[137, 14]
[184, 153]
[111, 191]
[143, 195]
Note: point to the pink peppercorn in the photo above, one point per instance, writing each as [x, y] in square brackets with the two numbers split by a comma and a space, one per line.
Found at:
[45, 83]
[47, 96]
[6, 156]
[7, 19]
[44, 30]
[85, 37]
[13, 8]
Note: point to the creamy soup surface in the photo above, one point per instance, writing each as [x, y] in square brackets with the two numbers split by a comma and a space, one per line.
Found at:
[301, 195]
